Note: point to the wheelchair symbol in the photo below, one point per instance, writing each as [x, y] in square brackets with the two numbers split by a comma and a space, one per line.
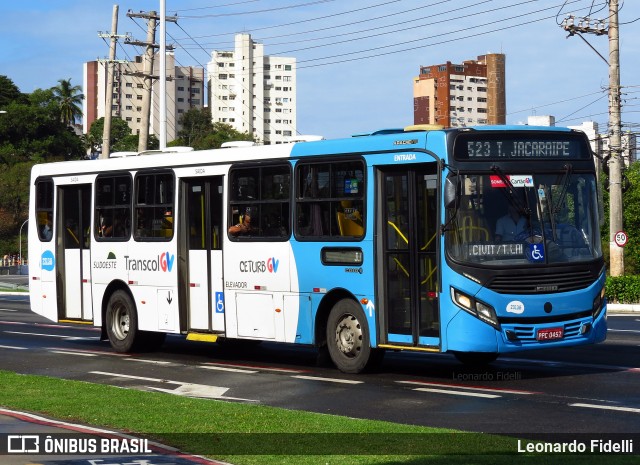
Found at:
[219, 302]
[536, 252]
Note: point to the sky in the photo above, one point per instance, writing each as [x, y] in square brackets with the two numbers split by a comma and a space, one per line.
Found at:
[356, 59]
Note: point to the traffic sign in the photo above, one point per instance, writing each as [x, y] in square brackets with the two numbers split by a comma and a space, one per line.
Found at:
[621, 238]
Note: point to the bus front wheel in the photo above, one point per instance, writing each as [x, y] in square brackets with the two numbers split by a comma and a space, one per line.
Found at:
[348, 337]
[122, 321]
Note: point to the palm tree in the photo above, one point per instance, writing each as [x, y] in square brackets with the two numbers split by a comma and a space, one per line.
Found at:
[69, 99]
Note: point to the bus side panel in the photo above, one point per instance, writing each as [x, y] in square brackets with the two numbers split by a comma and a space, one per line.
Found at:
[42, 281]
[72, 284]
[257, 277]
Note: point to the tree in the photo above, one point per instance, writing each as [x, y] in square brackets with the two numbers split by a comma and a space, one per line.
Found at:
[121, 138]
[9, 93]
[200, 133]
[631, 219]
[120, 130]
[31, 132]
[69, 99]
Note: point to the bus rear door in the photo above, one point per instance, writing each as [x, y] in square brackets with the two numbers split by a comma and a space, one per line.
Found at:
[73, 252]
[407, 228]
[200, 262]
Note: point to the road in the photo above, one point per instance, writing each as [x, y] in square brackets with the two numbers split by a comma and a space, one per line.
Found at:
[591, 389]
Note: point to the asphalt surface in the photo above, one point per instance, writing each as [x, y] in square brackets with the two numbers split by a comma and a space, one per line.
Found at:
[569, 378]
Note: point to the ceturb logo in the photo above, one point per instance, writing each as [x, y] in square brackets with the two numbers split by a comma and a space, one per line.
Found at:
[260, 266]
[163, 262]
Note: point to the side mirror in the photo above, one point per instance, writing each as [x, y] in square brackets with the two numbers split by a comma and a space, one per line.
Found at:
[451, 191]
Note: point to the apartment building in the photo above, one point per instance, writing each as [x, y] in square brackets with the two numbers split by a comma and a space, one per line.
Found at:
[253, 92]
[185, 90]
[459, 95]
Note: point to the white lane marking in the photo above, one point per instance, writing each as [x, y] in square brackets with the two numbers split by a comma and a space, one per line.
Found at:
[623, 330]
[232, 370]
[329, 380]
[257, 367]
[68, 352]
[468, 388]
[607, 407]
[154, 362]
[13, 347]
[141, 378]
[7, 310]
[60, 336]
[183, 389]
[458, 393]
[97, 352]
[195, 390]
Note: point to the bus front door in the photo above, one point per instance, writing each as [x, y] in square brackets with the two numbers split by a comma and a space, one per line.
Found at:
[201, 246]
[74, 253]
[407, 255]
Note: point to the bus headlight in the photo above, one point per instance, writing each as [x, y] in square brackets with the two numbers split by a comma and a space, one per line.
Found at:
[475, 307]
[598, 303]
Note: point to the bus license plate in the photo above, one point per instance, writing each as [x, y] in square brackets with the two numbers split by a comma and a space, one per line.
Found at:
[550, 334]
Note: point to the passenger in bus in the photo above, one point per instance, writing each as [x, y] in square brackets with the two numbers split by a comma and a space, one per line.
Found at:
[47, 230]
[510, 225]
[244, 226]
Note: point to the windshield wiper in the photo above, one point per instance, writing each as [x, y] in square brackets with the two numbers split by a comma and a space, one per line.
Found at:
[513, 199]
[568, 169]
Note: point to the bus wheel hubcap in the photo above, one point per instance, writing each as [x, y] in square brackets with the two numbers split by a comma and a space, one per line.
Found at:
[349, 336]
[121, 323]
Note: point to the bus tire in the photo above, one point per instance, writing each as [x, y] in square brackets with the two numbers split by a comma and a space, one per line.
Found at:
[348, 337]
[476, 358]
[122, 322]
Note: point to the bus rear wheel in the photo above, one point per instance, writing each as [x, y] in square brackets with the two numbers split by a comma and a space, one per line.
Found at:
[122, 322]
[348, 337]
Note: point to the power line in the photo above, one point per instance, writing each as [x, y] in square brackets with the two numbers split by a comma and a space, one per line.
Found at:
[318, 18]
[268, 10]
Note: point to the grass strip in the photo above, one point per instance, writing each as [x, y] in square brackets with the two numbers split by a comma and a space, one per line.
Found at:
[248, 434]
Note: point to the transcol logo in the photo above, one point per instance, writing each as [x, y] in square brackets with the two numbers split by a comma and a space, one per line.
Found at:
[163, 262]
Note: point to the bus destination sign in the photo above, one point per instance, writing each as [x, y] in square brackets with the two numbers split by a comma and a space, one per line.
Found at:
[478, 146]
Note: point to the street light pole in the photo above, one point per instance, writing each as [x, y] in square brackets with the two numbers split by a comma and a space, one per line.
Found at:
[20, 240]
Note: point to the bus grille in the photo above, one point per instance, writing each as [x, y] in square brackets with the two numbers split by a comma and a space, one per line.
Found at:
[526, 334]
[547, 283]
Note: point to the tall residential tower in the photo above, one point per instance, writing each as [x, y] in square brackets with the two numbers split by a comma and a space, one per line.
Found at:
[253, 92]
[469, 94]
[185, 90]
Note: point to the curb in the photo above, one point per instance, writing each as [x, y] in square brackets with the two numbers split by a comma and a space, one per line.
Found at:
[157, 448]
[623, 308]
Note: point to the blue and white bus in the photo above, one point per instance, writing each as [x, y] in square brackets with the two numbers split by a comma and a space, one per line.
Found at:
[381, 241]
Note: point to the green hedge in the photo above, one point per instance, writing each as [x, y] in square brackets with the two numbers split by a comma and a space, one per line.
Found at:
[623, 289]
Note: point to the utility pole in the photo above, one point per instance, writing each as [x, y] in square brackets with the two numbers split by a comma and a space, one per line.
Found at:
[616, 163]
[616, 253]
[148, 76]
[148, 83]
[106, 132]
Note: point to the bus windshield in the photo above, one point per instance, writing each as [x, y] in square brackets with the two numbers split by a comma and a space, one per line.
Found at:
[525, 219]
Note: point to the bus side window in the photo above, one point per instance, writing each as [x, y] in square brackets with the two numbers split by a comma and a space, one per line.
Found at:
[44, 209]
[154, 199]
[113, 207]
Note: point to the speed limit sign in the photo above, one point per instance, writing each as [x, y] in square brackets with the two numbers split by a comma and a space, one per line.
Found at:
[621, 238]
